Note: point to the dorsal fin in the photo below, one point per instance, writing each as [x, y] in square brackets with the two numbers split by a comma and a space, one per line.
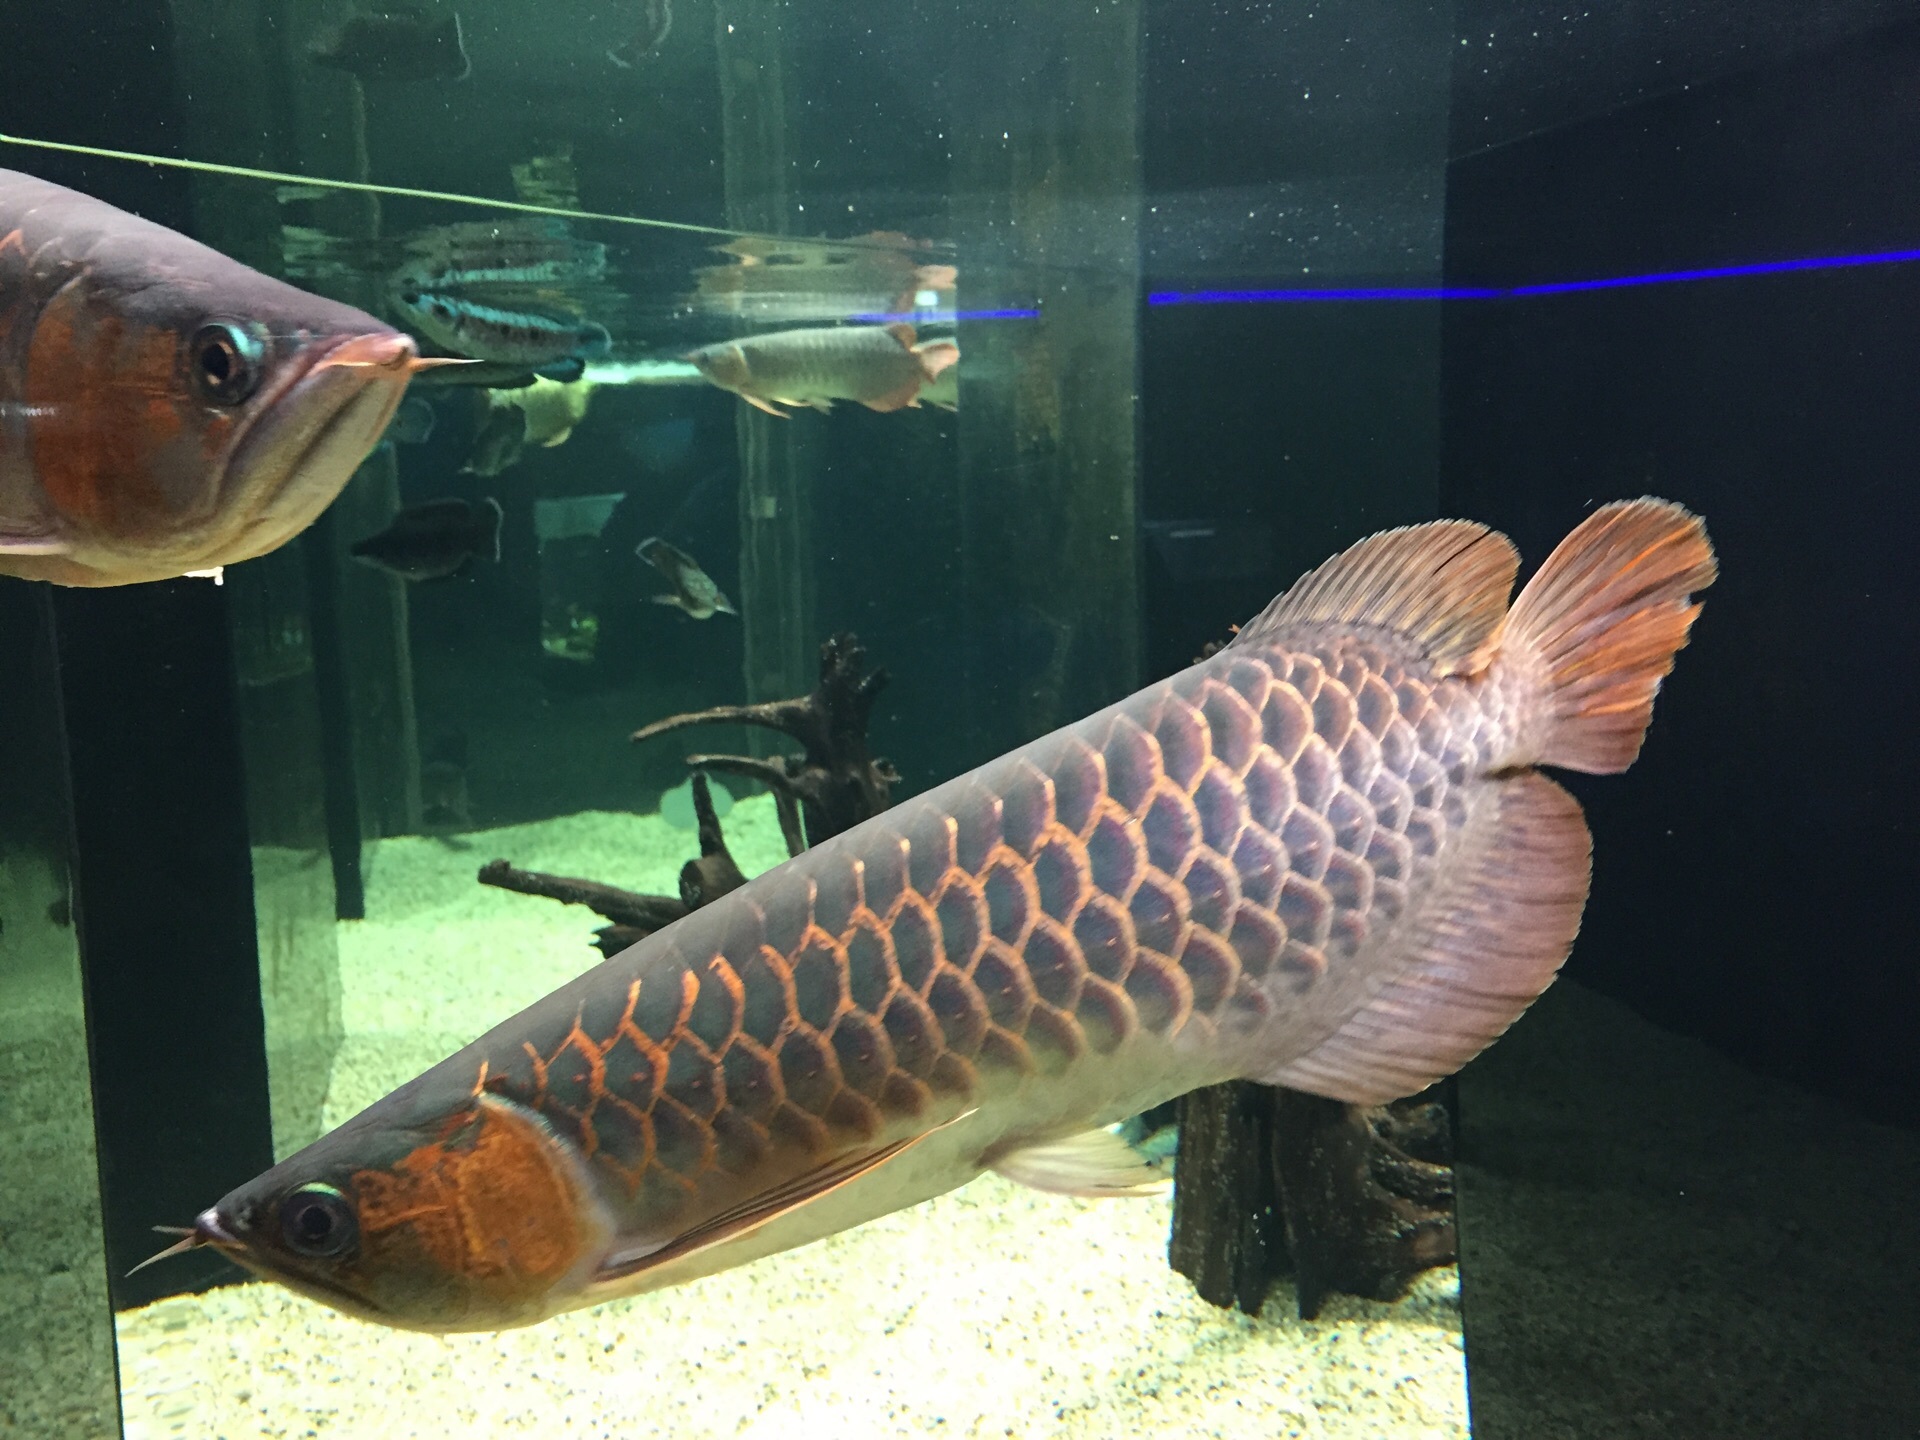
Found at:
[1442, 586]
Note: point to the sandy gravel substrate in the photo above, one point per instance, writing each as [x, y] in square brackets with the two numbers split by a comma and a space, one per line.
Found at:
[994, 1311]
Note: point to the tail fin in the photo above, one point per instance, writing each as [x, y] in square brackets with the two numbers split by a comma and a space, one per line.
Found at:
[1599, 625]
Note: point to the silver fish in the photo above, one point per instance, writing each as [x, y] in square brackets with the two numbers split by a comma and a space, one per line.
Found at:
[1324, 857]
[880, 366]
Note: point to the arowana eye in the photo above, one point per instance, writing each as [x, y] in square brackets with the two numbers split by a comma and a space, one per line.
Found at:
[317, 1221]
[225, 363]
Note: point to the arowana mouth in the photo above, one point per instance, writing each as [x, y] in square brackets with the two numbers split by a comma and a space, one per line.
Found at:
[208, 1229]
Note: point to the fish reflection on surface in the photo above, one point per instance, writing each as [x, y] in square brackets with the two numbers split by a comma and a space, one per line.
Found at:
[527, 338]
[693, 589]
[434, 540]
[880, 366]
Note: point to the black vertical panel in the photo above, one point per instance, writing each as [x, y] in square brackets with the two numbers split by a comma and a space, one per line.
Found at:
[163, 898]
[1753, 872]
[161, 889]
[57, 1356]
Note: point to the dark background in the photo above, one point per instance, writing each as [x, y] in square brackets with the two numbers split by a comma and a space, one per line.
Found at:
[1752, 871]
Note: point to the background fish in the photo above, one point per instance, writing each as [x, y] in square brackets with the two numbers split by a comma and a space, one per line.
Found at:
[412, 423]
[435, 539]
[693, 589]
[539, 342]
[163, 408]
[499, 437]
[1323, 857]
[878, 365]
[399, 42]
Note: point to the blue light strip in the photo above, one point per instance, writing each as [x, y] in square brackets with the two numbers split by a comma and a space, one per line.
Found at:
[1512, 292]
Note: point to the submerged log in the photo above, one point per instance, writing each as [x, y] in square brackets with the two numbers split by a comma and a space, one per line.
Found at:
[641, 913]
[635, 916]
[835, 783]
[1347, 1199]
[1229, 1236]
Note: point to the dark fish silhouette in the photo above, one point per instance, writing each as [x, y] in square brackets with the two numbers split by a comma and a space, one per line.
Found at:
[444, 805]
[693, 589]
[434, 540]
[399, 42]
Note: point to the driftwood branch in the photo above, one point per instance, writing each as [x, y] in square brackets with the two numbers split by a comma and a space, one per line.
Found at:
[646, 913]
[834, 783]
[705, 880]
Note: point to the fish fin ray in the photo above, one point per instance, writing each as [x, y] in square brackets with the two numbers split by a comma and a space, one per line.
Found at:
[902, 332]
[751, 1214]
[1600, 623]
[908, 394]
[936, 356]
[1093, 1164]
[759, 404]
[1443, 586]
[1491, 942]
[26, 538]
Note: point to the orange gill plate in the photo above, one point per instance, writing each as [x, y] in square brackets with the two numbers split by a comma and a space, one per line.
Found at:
[1322, 857]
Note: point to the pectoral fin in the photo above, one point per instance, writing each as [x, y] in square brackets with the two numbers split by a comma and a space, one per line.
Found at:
[27, 537]
[1095, 1163]
[627, 1259]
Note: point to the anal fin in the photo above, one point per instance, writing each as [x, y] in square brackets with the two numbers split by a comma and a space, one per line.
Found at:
[1494, 938]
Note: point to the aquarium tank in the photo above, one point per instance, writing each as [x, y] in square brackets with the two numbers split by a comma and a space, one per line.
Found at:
[705, 602]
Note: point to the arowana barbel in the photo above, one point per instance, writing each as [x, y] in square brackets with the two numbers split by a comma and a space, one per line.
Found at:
[1322, 858]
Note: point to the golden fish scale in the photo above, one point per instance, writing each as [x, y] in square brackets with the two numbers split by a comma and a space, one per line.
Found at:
[1181, 864]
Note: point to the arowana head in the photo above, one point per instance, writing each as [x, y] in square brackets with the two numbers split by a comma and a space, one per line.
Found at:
[724, 364]
[184, 412]
[423, 1216]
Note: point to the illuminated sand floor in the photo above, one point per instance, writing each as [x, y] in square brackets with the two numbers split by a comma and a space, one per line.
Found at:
[994, 1311]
